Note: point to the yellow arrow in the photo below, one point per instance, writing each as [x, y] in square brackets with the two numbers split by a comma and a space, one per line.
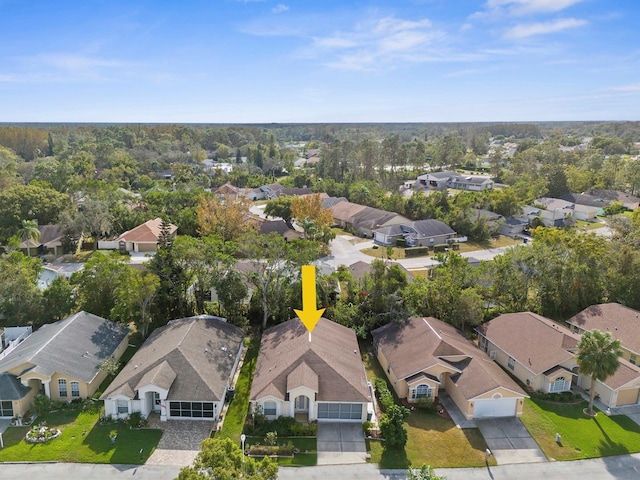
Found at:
[309, 315]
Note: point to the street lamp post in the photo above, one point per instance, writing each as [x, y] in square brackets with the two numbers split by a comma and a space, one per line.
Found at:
[243, 437]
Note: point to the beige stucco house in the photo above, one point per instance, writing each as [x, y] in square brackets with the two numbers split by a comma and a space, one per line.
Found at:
[426, 356]
[311, 377]
[182, 371]
[144, 237]
[541, 353]
[59, 360]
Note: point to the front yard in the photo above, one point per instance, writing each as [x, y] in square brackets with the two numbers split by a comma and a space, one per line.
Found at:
[582, 437]
[307, 447]
[432, 439]
[82, 441]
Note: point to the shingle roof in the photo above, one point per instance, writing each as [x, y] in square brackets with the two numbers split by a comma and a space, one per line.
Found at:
[11, 388]
[148, 232]
[345, 210]
[332, 354]
[534, 341]
[74, 346]
[200, 351]
[424, 228]
[50, 237]
[622, 322]
[424, 342]
[372, 218]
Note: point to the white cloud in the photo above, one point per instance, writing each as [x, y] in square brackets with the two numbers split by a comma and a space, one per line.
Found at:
[281, 7]
[379, 43]
[78, 62]
[633, 87]
[527, 7]
[542, 28]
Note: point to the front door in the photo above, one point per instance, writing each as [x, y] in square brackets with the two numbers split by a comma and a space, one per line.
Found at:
[302, 403]
[156, 401]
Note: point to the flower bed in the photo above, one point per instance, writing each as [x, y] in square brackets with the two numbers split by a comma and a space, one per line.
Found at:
[41, 433]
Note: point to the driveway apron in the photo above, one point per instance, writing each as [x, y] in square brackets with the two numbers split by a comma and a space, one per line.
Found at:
[341, 443]
[509, 441]
[180, 441]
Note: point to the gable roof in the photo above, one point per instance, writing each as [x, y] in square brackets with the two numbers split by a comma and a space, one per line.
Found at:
[621, 322]
[419, 229]
[332, 355]
[534, 341]
[630, 201]
[74, 346]
[585, 199]
[372, 218]
[50, 237]
[148, 232]
[191, 357]
[345, 210]
[421, 343]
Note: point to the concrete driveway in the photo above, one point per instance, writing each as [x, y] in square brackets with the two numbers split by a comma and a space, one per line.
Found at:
[509, 441]
[341, 443]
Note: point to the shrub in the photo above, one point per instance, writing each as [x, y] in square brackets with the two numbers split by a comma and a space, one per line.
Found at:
[42, 404]
[366, 427]
[304, 430]
[401, 242]
[442, 247]
[135, 420]
[384, 395]
[416, 251]
[428, 404]
[392, 427]
[271, 438]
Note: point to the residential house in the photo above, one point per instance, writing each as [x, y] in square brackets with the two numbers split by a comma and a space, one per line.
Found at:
[578, 212]
[425, 356]
[359, 269]
[280, 227]
[623, 323]
[144, 237]
[513, 226]
[541, 353]
[182, 371]
[51, 271]
[417, 234]
[49, 241]
[11, 337]
[455, 180]
[630, 202]
[60, 360]
[363, 220]
[548, 218]
[311, 376]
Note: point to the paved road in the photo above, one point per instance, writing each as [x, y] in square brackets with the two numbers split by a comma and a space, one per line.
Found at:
[625, 467]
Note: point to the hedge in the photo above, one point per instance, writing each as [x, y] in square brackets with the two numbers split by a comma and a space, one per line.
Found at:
[384, 395]
[416, 251]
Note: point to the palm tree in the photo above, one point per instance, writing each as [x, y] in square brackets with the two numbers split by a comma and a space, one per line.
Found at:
[598, 357]
[29, 232]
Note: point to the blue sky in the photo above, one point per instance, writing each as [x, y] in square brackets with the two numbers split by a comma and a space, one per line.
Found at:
[241, 61]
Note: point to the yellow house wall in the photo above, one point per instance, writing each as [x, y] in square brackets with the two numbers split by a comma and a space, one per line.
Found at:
[627, 397]
[410, 386]
[519, 371]
[400, 386]
[458, 398]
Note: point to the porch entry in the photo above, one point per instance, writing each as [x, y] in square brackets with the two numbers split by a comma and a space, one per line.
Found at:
[302, 404]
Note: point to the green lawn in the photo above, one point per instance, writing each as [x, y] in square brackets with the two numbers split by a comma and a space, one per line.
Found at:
[82, 441]
[307, 457]
[582, 437]
[433, 440]
[237, 411]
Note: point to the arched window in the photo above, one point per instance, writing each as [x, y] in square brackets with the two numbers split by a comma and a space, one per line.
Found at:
[62, 387]
[269, 409]
[559, 385]
[422, 391]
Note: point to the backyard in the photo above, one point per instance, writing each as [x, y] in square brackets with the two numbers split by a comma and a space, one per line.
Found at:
[581, 437]
[82, 440]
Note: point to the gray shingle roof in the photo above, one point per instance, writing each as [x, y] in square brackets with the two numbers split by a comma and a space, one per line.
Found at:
[11, 388]
[424, 228]
[74, 346]
[191, 357]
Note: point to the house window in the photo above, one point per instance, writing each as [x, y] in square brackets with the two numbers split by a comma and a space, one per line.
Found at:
[269, 409]
[122, 406]
[559, 385]
[512, 363]
[6, 409]
[75, 389]
[62, 387]
[633, 359]
[422, 391]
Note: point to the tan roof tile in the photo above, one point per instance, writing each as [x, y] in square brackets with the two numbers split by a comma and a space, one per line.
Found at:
[148, 232]
[332, 355]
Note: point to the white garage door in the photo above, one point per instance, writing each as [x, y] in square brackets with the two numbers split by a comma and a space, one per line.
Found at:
[339, 411]
[495, 407]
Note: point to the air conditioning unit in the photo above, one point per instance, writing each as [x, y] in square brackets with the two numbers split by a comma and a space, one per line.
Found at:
[492, 354]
